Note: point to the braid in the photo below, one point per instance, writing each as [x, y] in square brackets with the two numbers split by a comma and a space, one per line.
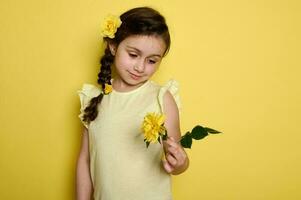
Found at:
[91, 110]
[104, 76]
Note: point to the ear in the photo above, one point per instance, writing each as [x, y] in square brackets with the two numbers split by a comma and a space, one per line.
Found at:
[112, 48]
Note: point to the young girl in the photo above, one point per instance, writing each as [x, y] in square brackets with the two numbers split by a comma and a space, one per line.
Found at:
[114, 163]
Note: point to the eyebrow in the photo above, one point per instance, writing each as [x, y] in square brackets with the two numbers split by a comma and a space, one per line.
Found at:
[140, 51]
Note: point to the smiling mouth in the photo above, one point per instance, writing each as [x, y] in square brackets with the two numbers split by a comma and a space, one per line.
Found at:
[134, 76]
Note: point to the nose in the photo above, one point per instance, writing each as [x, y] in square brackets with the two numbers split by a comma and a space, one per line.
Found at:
[139, 66]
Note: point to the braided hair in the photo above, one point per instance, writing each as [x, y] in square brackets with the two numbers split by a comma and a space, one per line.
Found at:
[137, 21]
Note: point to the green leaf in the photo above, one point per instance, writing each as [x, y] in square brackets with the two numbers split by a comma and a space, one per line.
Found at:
[210, 130]
[186, 140]
[198, 132]
[147, 143]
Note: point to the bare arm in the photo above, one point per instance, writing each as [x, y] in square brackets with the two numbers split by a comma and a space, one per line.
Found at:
[177, 159]
[84, 188]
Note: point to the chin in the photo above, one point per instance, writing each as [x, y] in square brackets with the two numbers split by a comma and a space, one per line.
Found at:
[136, 82]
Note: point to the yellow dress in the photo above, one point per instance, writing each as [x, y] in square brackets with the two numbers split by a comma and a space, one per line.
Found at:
[121, 166]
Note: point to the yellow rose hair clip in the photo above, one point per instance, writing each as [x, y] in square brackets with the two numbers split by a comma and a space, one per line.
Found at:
[108, 89]
[110, 25]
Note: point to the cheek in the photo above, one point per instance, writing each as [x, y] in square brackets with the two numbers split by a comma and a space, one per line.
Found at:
[123, 61]
[151, 69]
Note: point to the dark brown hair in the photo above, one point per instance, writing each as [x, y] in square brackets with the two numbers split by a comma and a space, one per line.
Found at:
[136, 21]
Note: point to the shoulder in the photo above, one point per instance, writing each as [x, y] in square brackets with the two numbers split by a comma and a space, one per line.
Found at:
[89, 90]
[86, 93]
[168, 95]
[169, 101]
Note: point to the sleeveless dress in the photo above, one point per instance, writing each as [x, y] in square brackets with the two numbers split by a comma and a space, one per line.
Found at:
[121, 166]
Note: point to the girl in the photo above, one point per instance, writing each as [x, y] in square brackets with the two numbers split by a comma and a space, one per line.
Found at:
[114, 162]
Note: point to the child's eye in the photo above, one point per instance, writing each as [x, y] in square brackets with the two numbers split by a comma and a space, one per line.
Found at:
[152, 61]
[133, 55]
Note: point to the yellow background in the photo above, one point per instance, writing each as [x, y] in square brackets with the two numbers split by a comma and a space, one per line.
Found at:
[238, 65]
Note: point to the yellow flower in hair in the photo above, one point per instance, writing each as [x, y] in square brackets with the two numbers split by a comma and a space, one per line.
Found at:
[108, 88]
[110, 25]
[153, 127]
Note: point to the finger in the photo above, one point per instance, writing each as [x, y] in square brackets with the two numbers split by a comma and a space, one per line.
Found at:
[167, 143]
[173, 151]
[171, 160]
[168, 168]
[179, 154]
[171, 142]
[176, 149]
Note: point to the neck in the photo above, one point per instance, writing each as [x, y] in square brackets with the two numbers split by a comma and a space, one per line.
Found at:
[122, 86]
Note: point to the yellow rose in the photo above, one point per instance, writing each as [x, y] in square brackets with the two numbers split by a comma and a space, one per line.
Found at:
[110, 25]
[108, 88]
[152, 127]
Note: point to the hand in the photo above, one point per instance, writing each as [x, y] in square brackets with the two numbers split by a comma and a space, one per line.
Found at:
[176, 158]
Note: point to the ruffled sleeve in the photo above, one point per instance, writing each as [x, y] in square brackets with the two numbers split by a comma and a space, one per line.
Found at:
[173, 87]
[87, 92]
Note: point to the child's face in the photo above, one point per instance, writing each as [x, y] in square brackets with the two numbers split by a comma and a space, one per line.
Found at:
[137, 58]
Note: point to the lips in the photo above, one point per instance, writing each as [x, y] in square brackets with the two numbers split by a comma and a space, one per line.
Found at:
[134, 76]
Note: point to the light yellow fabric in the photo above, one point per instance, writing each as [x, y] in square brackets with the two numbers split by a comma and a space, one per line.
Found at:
[121, 166]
